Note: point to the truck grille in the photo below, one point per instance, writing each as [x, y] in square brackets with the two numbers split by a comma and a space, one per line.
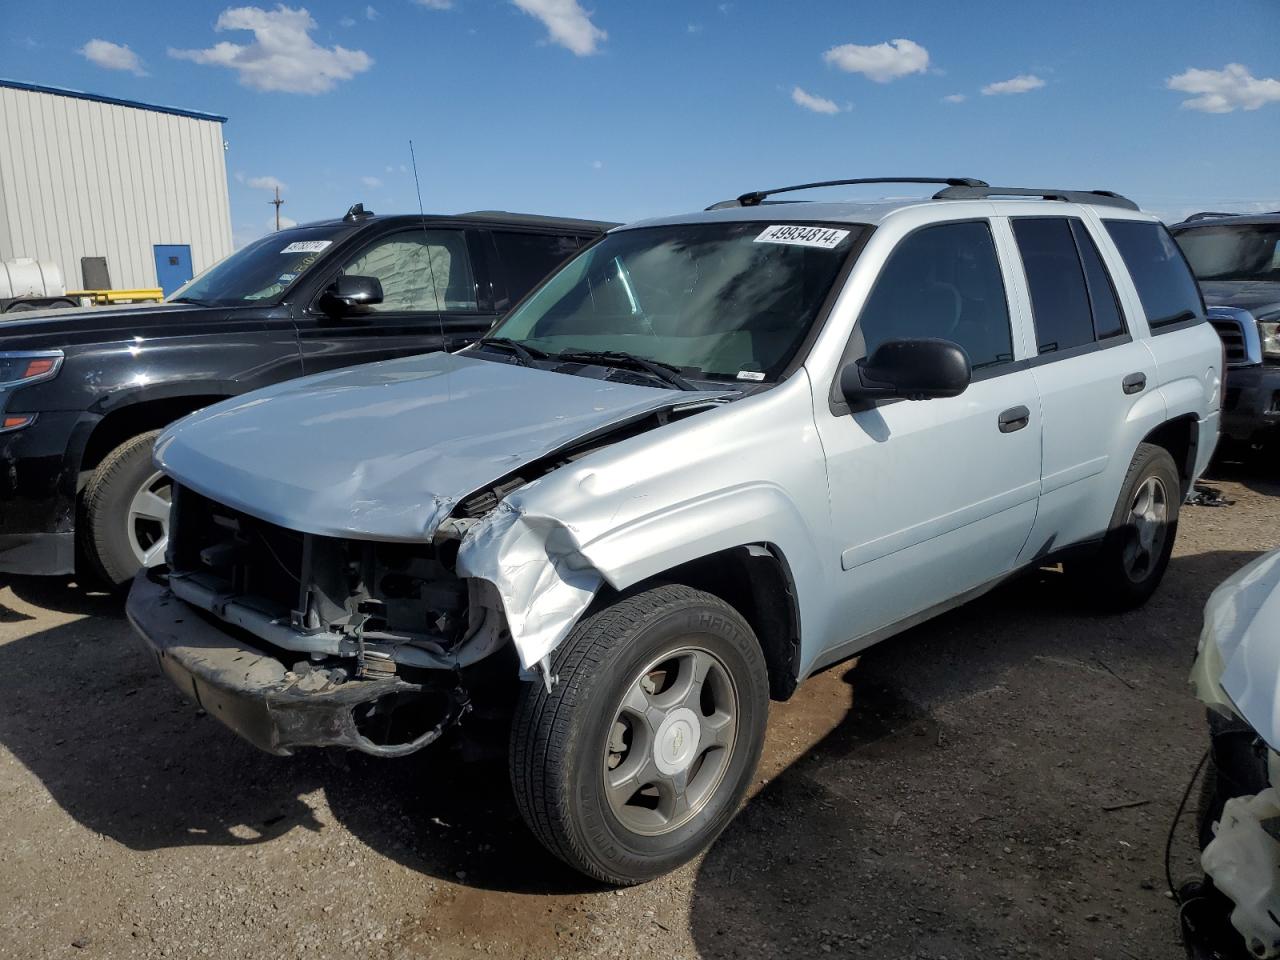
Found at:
[1232, 333]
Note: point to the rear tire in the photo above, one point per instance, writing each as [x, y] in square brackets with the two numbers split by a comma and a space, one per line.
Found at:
[631, 765]
[122, 526]
[1128, 567]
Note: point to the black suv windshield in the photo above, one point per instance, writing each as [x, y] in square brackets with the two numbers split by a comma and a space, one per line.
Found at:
[1245, 251]
[722, 300]
[263, 270]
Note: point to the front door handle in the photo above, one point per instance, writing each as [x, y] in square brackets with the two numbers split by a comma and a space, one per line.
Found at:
[1134, 383]
[1015, 418]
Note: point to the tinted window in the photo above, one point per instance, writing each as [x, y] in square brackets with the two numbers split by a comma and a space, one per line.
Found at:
[421, 271]
[1107, 320]
[528, 257]
[945, 282]
[1059, 297]
[1165, 285]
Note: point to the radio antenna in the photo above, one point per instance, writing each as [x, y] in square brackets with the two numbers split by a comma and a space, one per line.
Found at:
[426, 246]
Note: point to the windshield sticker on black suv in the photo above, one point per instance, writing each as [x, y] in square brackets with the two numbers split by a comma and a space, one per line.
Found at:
[797, 236]
[306, 246]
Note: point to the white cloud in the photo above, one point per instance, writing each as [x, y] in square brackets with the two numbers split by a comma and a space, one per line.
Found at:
[285, 222]
[371, 182]
[113, 56]
[346, 22]
[1022, 83]
[567, 23]
[371, 13]
[693, 28]
[267, 183]
[435, 4]
[880, 62]
[597, 164]
[283, 56]
[955, 98]
[815, 103]
[1222, 91]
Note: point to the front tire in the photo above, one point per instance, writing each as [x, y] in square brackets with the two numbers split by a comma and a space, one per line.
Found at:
[1139, 541]
[125, 518]
[638, 757]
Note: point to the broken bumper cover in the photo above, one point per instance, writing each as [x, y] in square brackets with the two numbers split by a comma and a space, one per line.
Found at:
[255, 695]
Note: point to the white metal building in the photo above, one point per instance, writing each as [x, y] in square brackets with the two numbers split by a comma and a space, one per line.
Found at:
[81, 175]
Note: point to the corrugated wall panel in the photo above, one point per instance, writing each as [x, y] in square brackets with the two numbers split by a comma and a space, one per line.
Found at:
[82, 178]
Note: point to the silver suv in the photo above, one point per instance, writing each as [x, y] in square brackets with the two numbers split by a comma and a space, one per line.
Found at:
[710, 455]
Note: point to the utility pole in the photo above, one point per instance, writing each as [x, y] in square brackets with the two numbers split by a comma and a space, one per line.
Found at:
[276, 203]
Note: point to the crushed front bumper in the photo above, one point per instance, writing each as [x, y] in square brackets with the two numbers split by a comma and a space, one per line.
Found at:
[278, 709]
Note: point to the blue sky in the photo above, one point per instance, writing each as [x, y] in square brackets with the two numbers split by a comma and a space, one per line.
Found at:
[623, 109]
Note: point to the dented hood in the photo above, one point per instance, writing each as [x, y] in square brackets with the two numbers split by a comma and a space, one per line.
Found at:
[1240, 648]
[384, 451]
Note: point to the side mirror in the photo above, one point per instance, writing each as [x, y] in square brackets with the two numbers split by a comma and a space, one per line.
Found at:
[347, 292]
[916, 369]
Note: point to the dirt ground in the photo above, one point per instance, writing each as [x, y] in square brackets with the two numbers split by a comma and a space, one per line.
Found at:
[995, 783]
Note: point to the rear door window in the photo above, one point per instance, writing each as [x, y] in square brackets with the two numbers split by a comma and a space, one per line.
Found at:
[1059, 296]
[1107, 319]
[1165, 286]
[526, 258]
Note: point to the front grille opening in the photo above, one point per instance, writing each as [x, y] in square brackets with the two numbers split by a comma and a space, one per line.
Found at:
[399, 718]
[388, 591]
[1232, 335]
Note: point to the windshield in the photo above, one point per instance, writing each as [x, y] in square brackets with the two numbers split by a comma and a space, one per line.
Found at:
[721, 300]
[1246, 251]
[263, 270]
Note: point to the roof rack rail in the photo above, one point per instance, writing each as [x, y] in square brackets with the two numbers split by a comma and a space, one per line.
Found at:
[757, 197]
[1209, 215]
[1103, 198]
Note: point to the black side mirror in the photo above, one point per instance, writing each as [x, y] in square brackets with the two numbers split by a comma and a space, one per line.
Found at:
[347, 292]
[916, 369]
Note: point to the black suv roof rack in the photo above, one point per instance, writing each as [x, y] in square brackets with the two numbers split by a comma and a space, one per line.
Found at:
[1103, 198]
[1209, 215]
[757, 197]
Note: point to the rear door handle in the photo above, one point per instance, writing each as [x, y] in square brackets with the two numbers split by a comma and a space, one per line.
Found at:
[1134, 383]
[1015, 418]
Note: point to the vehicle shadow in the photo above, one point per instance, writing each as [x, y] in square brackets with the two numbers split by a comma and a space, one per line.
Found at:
[123, 752]
[1258, 471]
[961, 806]
[64, 595]
[128, 757]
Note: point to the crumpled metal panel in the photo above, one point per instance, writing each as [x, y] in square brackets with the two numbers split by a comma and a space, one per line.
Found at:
[651, 502]
[1238, 666]
[384, 451]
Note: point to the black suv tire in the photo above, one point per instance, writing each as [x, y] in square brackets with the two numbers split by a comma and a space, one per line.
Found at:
[568, 742]
[106, 527]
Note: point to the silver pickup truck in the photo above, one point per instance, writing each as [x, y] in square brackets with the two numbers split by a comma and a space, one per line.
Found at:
[709, 456]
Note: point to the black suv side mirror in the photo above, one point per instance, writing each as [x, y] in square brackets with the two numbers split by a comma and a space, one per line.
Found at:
[347, 292]
[918, 369]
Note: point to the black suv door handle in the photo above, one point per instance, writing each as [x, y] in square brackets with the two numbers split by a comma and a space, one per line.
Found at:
[1015, 418]
[1134, 383]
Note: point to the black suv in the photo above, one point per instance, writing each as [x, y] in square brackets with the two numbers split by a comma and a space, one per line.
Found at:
[83, 392]
[1237, 261]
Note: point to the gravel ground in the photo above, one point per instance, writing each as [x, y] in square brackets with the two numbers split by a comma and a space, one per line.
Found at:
[997, 782]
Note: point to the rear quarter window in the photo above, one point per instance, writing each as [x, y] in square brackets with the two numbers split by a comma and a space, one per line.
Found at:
[1165, 285]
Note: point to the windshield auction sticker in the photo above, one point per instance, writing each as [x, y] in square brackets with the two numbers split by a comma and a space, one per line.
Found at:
[800, 236]
[306, 246]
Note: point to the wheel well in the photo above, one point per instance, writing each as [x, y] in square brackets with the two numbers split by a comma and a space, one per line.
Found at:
[119, 425]
[1180, 437]
[753, 579]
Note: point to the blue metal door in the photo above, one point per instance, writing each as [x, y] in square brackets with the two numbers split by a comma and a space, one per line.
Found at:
[173, 265]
